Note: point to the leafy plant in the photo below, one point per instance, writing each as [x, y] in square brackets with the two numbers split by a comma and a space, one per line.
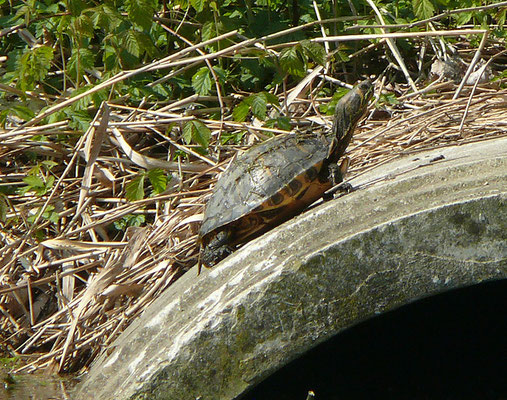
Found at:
[49, 214]
[294, 60]
[195, 131]
[3, 207]
[38, 180]
[135, 189]
[129, 220]
[257, 104]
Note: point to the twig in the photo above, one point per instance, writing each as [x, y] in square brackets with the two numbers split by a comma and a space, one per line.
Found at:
[394, 49]
[471, 67]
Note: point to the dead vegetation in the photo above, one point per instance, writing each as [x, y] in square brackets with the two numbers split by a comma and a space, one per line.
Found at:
[69, 283]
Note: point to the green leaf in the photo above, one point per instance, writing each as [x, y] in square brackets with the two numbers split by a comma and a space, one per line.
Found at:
[208, 31]
[195, 131]
[36, 184]
[292, 61]
[463, 18]
[198, 5]
[129, 220]
[241, 111]
[146, 44]
[110, 59]
[329, 108]
[342, 56]
[284, 123]
[79, 119]
[141, 12]
[3, 207]
[49, 182]
[22, 112]
[271, 98]
[221, 74]
[106, 17]
[201, 81]
[84, 25]
[158, 180]
[202, 134]
[423, 9]
[235, 137]
[129, 40]
[500, 17]
[49, 214]
[314, 51]
[389, 98]
[259, 105]
[75, 6]
[34, 181]
[135, 188]
[52, 216]
[80, 60]
[49, 164]
[35, 64]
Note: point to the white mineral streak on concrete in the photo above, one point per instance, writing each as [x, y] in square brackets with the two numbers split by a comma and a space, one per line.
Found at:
[263, 266]
[211, 300]
[147, 371]
[112, 358]
[133, 365]
[235, 280]
[227, 263]
[213, 315]
[183, 337]
[162, 314]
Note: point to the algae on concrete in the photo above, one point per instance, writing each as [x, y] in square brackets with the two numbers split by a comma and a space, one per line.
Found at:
[214, 336]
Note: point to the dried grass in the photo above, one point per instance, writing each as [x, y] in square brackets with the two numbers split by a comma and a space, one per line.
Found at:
[65, 299]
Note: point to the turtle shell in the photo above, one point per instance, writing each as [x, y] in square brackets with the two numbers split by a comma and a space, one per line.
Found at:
[266, 185]
[276, 180]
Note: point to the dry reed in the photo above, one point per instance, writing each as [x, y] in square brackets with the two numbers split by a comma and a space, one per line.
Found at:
[65, 298]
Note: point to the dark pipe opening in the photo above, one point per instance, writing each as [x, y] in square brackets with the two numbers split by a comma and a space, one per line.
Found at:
[449, 346]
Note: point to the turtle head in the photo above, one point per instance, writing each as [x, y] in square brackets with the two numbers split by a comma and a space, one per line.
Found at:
[349, 111]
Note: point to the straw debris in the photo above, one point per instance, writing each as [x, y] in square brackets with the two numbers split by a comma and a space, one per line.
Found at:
[70, 283]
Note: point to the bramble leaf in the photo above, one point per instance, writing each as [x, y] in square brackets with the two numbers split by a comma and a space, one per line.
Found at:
[80, 60]
[198, 5]
[292, 61]
[208, 31]
[130, 43]
[423, 9]
[83, 25]
[35, 65]
[158, 180]
[314, 51]
[22, 112]
[140, 12]
[135, 188]
[201, 81]
[241, 111]
[195, 131]
[259, 105]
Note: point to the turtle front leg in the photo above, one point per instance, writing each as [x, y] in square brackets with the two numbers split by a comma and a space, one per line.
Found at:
[336, 175]
[217, 249]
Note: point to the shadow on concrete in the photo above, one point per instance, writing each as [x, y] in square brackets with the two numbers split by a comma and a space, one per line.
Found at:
[449, 346]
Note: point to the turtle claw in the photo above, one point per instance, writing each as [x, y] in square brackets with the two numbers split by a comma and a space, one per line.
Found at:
[341, 188]
[345, 187]
[217, 249]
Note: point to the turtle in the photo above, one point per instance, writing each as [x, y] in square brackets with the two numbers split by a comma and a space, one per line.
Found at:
[276, 180]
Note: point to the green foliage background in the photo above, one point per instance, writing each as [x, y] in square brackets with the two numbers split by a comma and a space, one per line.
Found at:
[75, 44]
[51, 51]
